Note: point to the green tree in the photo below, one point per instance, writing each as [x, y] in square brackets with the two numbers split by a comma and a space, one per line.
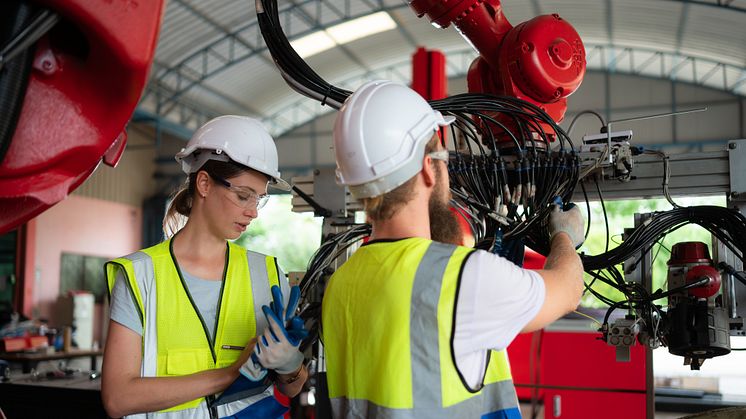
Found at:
[289, 236]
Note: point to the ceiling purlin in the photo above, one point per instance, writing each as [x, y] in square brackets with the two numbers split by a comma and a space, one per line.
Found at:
[288, 119]
[196, 68]
[683, 21]
[725, 4]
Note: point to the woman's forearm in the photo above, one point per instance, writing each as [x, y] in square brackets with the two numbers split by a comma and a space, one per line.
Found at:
[151, 394]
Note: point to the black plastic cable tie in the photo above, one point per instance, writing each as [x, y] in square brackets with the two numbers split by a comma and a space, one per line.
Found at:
[326, 95]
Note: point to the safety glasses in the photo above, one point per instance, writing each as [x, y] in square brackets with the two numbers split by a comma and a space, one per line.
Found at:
[242, 195]
[439, 155]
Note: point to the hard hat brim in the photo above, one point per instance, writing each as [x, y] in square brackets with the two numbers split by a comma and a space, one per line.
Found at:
[281, 184]
[447, 120]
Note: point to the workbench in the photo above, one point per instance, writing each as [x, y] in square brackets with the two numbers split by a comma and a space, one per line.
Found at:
[29, 360]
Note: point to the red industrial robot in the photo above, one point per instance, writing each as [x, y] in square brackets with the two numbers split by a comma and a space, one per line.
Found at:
[541, 61]
[76, 87]
[71, 74]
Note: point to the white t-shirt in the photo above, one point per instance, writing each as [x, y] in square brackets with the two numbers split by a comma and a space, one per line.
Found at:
[496, 300]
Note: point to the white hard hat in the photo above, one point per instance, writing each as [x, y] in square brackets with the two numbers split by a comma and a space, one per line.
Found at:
[241, 139]
[380, 136]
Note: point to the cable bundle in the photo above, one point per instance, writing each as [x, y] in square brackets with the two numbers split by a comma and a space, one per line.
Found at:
[506, 177]
[729, 226]
[294, 70]
[332, 247]
[318, 268]
[506, 195]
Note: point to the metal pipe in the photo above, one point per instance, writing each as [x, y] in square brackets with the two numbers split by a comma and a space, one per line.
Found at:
[729, 292]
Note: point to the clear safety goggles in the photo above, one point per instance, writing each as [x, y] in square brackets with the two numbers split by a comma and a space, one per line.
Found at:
[242, 195]
[439, 155]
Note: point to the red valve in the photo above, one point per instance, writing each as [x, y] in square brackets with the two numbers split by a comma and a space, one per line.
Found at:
[711, 288]
[689, 252]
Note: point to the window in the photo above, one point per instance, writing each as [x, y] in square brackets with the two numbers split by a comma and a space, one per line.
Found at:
[80, 272]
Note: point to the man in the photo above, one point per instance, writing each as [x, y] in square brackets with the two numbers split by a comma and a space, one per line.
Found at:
[415, 328]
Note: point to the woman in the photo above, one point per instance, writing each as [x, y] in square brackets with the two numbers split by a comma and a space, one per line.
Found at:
[186, 313]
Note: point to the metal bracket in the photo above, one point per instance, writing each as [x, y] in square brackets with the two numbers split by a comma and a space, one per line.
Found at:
[736, 159]
[322, 187]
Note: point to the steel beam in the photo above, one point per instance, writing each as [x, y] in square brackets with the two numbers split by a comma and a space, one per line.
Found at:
[290, 117]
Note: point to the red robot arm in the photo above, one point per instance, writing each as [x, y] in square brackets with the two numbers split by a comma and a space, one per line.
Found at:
[541, 61]
[87, 76]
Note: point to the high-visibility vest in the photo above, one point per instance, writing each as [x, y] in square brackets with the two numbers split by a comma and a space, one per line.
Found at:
[175, 339]
[388, 328]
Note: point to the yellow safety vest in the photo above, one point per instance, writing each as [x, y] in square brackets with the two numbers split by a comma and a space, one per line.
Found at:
[388, 327]
[175, 339]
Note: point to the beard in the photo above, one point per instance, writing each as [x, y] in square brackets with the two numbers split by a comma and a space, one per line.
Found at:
[444, 226]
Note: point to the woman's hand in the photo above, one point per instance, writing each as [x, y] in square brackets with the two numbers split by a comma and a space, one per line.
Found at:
[278, 347]
[245, 354]
[246, 366]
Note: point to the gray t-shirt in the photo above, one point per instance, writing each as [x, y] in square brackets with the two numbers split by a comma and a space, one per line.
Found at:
[205, 294]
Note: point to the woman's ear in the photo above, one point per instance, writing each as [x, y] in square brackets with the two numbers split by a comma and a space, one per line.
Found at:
[202, 184]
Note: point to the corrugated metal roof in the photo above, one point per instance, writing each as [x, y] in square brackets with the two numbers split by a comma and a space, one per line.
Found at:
[236, 80]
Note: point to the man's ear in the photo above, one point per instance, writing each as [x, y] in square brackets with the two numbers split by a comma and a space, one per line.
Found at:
[428, 172]
[202, 184]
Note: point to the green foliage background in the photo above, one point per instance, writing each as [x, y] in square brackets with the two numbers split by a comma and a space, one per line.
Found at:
[289, 236]
[620, 216]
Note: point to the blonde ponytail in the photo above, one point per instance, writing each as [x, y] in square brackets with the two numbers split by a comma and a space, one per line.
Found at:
[178, 210]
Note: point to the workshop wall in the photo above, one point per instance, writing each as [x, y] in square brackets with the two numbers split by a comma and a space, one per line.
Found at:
[132, 180]
[84, 226]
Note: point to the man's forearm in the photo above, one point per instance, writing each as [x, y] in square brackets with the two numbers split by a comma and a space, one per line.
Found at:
[562, 254]
[297, 379]
[564, 259]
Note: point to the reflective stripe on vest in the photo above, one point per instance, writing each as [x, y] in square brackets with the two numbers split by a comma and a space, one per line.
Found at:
[175, 339]
[388, 327]
[497, 398]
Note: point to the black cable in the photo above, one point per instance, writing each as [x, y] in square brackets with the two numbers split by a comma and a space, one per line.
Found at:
[508, 177]
[731, 271]
[587, 208]
[727, 225]
[318, 210]
[587, 112]
[40, 24]
[603, 208]
[20, 27]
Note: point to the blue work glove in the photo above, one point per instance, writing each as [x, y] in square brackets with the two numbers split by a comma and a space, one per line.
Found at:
[277, 348]
[253, 370]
